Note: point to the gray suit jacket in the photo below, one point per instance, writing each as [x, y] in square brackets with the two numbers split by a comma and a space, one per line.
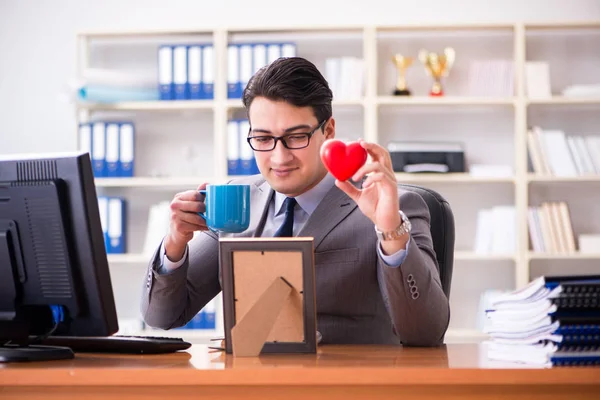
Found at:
[359, 298]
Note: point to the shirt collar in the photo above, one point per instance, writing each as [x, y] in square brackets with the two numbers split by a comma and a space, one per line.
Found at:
[309, 200]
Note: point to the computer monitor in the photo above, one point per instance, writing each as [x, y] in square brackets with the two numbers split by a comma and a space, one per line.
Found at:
[53, 265]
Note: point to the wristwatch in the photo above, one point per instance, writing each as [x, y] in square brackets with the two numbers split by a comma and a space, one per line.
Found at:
[404, 228]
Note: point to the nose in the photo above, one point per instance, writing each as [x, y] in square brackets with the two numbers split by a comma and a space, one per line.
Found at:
[281, 155]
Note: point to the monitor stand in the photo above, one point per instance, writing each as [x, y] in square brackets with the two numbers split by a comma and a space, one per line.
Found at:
[15, 353]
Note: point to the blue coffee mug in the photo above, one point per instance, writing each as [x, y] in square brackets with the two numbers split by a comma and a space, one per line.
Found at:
[227, 208]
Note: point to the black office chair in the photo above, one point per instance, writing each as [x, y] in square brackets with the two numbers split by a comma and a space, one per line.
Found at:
[442, 231]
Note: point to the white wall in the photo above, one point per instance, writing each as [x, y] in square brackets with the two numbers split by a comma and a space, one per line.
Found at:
[37, 41]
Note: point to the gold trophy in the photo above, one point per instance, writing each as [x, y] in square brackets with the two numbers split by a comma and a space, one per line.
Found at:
[437, 66]
[402, 63]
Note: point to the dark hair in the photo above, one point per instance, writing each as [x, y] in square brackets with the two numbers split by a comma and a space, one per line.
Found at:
[294, 80]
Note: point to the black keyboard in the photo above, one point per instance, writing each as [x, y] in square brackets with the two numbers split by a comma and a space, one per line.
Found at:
[121, 344]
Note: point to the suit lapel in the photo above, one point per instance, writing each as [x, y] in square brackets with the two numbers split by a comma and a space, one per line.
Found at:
[334, 207]
[259, 200]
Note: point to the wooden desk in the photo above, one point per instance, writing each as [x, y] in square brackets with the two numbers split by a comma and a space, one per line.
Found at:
[456, 371]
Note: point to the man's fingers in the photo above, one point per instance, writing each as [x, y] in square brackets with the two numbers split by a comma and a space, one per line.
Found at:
[187, 206]
[372, 168]
[375, 177]
[378, 153]
[365, 169]
[191, 218]
[190, 195]
[188, 222]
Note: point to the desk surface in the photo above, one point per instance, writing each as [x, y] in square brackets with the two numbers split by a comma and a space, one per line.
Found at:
[453, 365]
[450, 364]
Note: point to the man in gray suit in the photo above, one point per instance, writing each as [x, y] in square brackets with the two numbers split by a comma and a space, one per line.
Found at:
[376, 274]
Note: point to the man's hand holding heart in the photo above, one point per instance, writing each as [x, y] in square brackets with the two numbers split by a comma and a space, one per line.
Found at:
[378, 198]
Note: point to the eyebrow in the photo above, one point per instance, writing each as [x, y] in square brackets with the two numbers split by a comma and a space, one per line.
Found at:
[291, 129]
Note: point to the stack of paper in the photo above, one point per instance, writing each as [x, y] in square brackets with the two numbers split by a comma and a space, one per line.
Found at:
[551, 321]
[108, 86]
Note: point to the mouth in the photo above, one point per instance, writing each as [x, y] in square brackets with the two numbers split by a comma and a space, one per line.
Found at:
[282, 172]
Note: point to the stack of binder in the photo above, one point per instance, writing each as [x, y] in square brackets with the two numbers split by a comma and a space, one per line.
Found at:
[245, 59]
[553, 321]
[111, 146]
[186, 72]
[112, 218]
[240, 156]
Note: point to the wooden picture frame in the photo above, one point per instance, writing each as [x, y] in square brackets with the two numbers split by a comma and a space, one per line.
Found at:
[269, 301]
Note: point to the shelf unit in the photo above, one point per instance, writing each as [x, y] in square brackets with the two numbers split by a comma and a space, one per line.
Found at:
[149, 105]
[532, 178]
[566, 100]
[568, 256]
[368, 39]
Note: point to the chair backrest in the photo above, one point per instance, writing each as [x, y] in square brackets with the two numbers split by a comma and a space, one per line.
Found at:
[442, 231]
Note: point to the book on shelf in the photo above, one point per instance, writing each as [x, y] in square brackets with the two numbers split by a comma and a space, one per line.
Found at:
[551, 321]
[111, 145]
[240, 156]
[346, 77]
[159, 219]
[589, 243]
[186, 72]
[113, 219]
[537, 80]
[491, 78]
[245, 59]
[495, 230]
[552, 152]
[158, 227]
[550, 228]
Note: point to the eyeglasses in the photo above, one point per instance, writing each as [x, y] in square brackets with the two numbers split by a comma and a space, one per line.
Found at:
[292, 141]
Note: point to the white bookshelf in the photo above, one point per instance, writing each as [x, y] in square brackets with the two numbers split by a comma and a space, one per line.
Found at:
[565, 101]
[379, 117]
[458, 177]
[149, 105]
[566, 256]
[153, 182]
[445, 101]
[562, 179]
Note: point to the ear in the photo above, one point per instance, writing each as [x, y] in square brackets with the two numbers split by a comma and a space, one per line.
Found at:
[330, 128]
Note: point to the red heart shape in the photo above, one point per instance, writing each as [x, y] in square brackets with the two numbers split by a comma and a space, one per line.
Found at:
[341, 159]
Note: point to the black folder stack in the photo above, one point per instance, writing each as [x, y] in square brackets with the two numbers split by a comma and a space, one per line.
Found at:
[553, 321]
